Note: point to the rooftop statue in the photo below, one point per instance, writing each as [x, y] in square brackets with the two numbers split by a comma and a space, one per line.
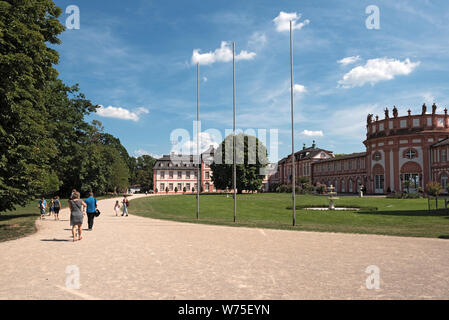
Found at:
[386, 113]
[434, 108]
[424, 109]
[395, 112]
[369, 119]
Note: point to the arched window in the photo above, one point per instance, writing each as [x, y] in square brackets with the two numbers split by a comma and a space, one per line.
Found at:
[343, 187]
[350, 183]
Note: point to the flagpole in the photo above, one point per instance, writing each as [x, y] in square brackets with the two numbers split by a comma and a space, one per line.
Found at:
[234, 151]
[293, 129]
[198, 141]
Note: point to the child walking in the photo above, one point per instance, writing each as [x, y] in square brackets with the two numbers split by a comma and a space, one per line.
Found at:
[117, 208]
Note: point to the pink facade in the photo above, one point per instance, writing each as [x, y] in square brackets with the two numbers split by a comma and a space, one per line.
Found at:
[402, 153]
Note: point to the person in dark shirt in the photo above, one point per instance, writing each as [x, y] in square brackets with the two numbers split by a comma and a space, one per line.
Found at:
[91, 203]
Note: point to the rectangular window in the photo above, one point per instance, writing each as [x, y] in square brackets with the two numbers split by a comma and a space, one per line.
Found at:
[443, 156]
[170, 174]
[187, 174]
[358, 164]
[196, 174]
[162, 187]
[162, 174]
[179, 187]
[188, 187]
[207, 175]
[170, 187]
[350, 165]
[379, 181]
[179, 174]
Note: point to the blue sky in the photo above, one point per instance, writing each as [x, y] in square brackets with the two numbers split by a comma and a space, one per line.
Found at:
[135, 59]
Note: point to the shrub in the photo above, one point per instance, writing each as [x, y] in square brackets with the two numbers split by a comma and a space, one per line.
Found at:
[156, 191]
[166, 189]
[433, 188]
[321, 189]
[176, 189]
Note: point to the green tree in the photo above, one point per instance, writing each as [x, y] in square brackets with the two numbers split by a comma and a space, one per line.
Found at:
[252, 155]
[26, 66]
[144, 172]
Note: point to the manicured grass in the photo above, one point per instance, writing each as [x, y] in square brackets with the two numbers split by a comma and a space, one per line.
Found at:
[400, 217]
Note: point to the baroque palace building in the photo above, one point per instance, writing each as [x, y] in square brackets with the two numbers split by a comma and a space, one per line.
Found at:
[172, 173]
[402, 153]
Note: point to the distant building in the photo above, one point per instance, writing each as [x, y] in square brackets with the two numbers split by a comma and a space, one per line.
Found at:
[402, 153]
[180, 171]
[134, 189]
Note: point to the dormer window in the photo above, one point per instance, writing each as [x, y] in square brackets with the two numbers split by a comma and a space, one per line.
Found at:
[377, 156]
[410, 154]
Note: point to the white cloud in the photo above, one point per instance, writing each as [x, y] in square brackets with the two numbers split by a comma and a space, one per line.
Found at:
[309, 133]
[141, 152]
[207, 139]
[121, 113]
[222, 54]
[376, 70]
[257, 40]
[349, 60]
[282, 21]
[205, 79]
[299, 89]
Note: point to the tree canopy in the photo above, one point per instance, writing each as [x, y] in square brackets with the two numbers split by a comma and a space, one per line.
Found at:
[46, 145]
[251, 157]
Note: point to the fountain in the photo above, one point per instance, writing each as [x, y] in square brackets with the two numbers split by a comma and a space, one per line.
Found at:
[332, 197]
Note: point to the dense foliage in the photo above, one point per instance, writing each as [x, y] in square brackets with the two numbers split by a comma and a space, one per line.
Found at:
[251, 158]
[46, 145]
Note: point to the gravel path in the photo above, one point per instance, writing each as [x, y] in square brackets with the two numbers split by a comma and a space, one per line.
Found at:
[140, 258]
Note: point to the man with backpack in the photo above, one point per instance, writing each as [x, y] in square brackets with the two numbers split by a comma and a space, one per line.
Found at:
[91, 209]
[125, 206]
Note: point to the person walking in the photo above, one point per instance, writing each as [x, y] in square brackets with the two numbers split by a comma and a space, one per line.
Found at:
[42, 206]
[117, 208]
[91, 203]
[125, 203]
[57, 207]
[77, 207]
[52, 207]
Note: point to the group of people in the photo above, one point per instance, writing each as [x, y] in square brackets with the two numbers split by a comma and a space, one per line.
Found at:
[78, 209]
[124, 207]
[55, 207]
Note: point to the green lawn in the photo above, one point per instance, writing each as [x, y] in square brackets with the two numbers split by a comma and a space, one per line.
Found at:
[21, 222]
[401, 217]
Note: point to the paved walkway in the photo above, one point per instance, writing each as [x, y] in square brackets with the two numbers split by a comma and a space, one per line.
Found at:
[140, 258]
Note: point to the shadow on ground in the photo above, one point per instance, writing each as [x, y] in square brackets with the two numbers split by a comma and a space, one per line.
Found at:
[416, 213]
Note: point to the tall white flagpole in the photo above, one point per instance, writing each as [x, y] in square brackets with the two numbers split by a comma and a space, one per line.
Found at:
[234, 151]
[293, 129]
[198, 141]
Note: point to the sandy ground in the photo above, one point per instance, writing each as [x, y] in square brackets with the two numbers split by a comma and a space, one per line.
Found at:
[140, 258]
